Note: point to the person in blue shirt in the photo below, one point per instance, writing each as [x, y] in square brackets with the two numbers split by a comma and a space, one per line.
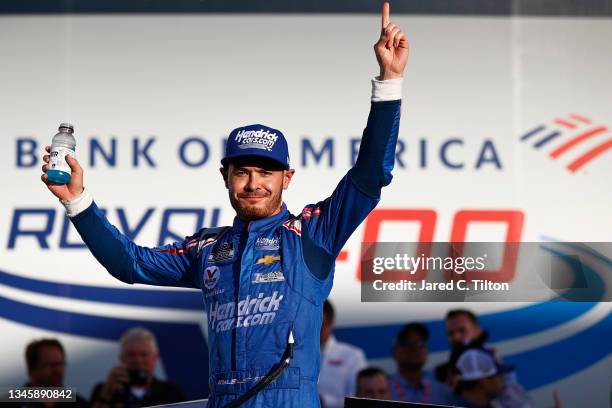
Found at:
[480, 379]
[264, 278]
[411, 382]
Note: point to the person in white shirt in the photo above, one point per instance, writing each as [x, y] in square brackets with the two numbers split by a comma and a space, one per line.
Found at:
[340, 364]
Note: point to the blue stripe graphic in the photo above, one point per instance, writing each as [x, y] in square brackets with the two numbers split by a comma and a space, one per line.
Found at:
[175, 299]
[547, 139]
[532, 132]
[189, 362]
[550, 363]
[535, 318]
[528, 320]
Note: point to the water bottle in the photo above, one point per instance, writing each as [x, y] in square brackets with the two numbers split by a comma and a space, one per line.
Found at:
[63, 143]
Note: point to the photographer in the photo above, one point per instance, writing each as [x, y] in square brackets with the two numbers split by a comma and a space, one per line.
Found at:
[132, 384]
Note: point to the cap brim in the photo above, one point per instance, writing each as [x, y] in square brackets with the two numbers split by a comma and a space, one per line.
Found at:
[255, 157]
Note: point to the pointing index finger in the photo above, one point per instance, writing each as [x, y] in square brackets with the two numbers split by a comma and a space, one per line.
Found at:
[385, 14]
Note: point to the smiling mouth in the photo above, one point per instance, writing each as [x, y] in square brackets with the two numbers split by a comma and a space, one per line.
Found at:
[252, 198]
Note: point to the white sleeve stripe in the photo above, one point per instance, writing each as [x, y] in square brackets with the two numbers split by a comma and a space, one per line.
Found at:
[78, 204]
[388, 90]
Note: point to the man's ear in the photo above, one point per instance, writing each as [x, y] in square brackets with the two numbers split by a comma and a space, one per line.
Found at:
[224, 173]
[288, 174]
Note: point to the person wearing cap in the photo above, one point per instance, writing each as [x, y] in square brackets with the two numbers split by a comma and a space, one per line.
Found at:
[462, 329]
[264, 278]
[480, 382]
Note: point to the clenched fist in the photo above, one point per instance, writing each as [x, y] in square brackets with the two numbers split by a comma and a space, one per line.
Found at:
[74, 186]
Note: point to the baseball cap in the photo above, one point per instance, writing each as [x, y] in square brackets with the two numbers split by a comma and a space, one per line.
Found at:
[257, 141]
[475, 364]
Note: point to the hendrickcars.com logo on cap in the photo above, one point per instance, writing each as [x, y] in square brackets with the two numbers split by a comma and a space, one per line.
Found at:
[257, 141]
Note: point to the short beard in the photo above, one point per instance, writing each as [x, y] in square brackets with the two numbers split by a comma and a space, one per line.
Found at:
[252, 212]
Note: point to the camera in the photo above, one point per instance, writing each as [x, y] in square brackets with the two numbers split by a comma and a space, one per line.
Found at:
[138, 376]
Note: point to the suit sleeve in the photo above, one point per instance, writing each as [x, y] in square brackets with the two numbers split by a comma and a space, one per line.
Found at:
[328, 224]
[170, 265]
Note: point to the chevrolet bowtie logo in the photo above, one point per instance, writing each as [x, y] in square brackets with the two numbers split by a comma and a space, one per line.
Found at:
[269, 259]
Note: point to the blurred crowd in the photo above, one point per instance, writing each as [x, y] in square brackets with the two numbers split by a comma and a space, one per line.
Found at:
[473, 376]
[131, 383]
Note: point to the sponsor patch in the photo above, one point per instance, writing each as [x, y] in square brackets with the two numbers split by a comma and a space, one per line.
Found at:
[211, 277]
[222, 252]
[215, 292]
[268, 259]
[276, 276]
[205, 242]
[251, 311]
[267, 244]
[294, 224]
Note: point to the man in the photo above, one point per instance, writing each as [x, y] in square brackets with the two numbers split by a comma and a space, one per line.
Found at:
[46, 363]
[372, 383]
[464, 331]
[412, 383]
[132, 384]
[462, 327]
[480, 379]
[340, 363]
[264, 279]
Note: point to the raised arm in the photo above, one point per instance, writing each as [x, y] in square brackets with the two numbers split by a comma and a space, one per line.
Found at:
[328, 224]
[171, 265]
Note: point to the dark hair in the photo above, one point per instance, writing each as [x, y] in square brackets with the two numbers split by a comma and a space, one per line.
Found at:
[33, 350]
[462, 312]
[328, 310]
[418, 328]
[369, 372]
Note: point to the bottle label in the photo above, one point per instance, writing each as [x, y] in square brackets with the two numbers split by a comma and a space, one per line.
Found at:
[57, 161]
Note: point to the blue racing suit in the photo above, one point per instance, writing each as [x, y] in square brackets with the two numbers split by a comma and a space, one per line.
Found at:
[261, 279]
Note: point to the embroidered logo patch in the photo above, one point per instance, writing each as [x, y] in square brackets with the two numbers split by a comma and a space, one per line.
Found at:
[267, 244]
[268, 259]
[256, 139]
[222, 252]
[276, 276]
[211, 277]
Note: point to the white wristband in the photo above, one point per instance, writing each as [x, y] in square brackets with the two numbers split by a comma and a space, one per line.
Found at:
[387, 90]
[78, 204]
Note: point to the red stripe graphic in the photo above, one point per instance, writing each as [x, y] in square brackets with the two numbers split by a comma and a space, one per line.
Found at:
[578, 139]
[342, 256]
[565, 123]
[173, 251]
[580, 118]
[590, 155]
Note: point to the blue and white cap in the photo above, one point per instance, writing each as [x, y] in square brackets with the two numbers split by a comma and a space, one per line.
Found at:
[257, 141]
[477, 363]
